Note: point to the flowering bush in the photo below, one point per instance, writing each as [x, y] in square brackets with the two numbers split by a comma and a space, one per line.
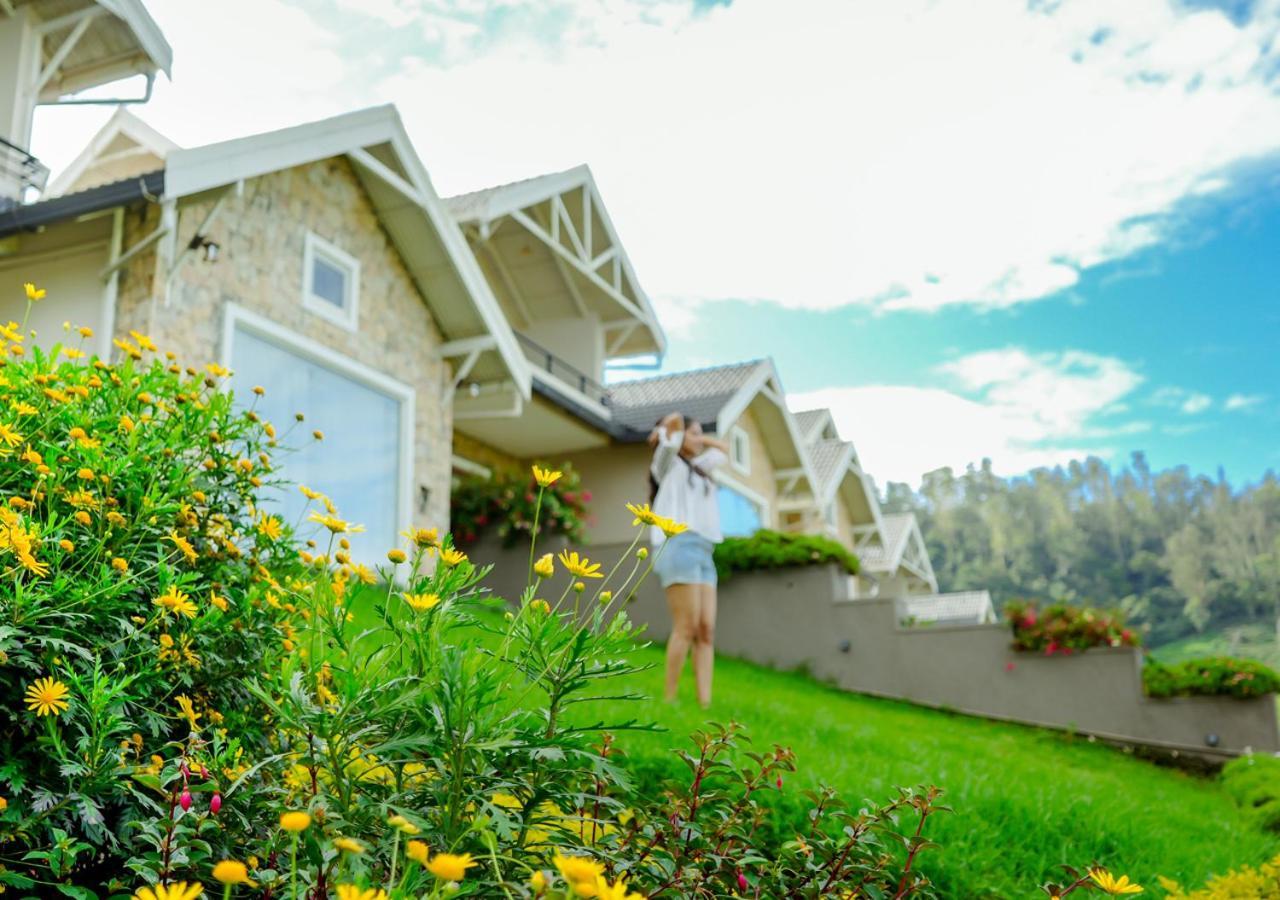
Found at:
[139, 594]
[1244, 883]
[776, 550]
[191, 697]
[508, 503]
[1212, 676]
[1063, 628]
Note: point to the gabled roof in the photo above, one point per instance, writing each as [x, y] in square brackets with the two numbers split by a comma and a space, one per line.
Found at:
[835, 464]
[701, 394]
[429, 241]
[814, 424]
[125, 147]
[550, 250]
[830, 461]
[902, 548]
[93, 43]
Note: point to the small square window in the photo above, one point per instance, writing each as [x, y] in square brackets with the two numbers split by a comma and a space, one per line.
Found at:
[330, 282]
[740, 450]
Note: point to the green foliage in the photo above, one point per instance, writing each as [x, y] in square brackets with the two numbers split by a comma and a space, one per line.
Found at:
[127, 488]
[507, 502]
[1065, 629]
[778, 550]
[1179, 553]
[1254, 782]
[1243, 883]
[1214, 676]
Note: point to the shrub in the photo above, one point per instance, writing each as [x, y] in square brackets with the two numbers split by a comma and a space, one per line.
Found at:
[509, 501]
[1254, 783]
[1244, 883]
[141, 592]
[777, 550]
[1211, 676]
[1064, 628]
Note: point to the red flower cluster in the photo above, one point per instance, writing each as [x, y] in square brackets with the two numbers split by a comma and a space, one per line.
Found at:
[1064, 629]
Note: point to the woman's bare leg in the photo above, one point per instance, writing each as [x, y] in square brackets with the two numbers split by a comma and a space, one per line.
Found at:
[682, 600]
[704, 640]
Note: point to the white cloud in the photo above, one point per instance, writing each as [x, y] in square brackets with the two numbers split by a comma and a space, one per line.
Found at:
[1018, 409]
[910, 155]
[1237, 402]
[1196, 403]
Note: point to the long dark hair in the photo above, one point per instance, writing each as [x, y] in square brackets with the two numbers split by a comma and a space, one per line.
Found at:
[694, 471]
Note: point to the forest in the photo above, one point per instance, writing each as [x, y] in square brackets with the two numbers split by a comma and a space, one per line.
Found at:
[1178, 553]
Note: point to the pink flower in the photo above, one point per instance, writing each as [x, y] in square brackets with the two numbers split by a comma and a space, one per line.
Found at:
[586, 496]
[779, 782]
[185, 800]
[1009, 666]
[742, 882]
[215, 803]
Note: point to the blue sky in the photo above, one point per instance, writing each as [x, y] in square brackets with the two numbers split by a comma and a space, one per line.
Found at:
[1028, 231]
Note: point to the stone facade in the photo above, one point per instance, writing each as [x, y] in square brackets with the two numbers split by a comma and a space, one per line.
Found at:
[262, 234]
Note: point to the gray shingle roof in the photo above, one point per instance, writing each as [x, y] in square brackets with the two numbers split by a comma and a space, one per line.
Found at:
[808, 420]
[826, 457]
[701, 394]
[475, 205]
[894, 531]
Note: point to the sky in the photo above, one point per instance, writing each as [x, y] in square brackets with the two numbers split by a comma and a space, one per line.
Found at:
[1025, 231]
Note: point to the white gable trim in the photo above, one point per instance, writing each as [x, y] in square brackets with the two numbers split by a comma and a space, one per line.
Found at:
[200, 169]
[122, 122]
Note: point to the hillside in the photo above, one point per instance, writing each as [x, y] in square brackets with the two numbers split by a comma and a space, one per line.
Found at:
[1253, 640]
[1024, 800]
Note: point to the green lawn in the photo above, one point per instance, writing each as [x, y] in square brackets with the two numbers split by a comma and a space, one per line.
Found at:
[1024, 800]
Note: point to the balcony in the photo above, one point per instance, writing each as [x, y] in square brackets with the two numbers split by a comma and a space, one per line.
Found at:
[546, 363]
[19, 172]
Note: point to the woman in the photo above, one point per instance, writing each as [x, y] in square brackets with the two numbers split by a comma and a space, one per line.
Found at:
[680, 488]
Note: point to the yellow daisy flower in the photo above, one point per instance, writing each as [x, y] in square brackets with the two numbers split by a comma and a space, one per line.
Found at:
[450, 866]
[545, 477]
[47, 697]
[579, 565]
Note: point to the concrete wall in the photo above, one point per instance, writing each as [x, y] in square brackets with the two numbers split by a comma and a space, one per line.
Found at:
[787, 619]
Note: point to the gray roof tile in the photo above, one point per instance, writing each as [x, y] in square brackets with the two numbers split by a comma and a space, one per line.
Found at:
[701, 394]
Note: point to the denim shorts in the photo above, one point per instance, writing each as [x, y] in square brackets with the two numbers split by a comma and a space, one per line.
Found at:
[686, 559]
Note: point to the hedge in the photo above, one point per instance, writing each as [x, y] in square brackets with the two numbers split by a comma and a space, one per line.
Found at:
[775, 550]
[1213, 676]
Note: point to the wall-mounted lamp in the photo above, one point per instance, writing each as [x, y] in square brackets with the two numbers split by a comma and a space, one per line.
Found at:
[1211, 740]
[211, 248]
[424, 498]
[473, 389]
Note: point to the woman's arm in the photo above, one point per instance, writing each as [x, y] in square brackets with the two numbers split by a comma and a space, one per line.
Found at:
[666, 440]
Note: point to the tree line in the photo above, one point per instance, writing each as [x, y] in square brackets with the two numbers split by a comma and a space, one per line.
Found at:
[1178, 553]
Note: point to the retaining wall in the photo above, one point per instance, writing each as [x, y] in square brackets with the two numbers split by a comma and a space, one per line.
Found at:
[791, 618]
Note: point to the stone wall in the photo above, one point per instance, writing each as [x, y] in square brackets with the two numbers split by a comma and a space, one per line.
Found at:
[260, 267]
[788, 619]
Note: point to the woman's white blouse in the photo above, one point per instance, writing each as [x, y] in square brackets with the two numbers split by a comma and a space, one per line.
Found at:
[683, 495]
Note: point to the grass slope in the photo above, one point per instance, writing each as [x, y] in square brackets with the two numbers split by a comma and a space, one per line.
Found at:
[1024, 800]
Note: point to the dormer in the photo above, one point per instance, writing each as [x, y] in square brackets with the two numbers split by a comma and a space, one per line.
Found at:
[553, 259]
[50, 49]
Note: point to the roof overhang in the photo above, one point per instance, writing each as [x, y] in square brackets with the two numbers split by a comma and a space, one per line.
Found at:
[476, 334]
[87, 43]
[550, 250]
[124, 147]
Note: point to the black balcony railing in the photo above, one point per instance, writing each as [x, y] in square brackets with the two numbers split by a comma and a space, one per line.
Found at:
[543, 359]
[18, 165]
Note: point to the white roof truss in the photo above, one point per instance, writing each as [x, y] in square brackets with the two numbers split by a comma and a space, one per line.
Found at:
[97, 43]
[565, 214]
[124, 141]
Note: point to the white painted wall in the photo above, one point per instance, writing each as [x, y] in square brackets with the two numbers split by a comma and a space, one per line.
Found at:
[579, 341]
[75, 293]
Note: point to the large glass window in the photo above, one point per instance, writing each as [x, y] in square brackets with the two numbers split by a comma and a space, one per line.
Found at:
[358, 464]
[740, 516]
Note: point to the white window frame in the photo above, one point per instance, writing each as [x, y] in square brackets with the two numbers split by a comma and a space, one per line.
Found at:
[740, 449]
[348, 316]
[236, 317]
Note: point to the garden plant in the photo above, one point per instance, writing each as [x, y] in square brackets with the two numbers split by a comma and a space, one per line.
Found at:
[196, 695]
